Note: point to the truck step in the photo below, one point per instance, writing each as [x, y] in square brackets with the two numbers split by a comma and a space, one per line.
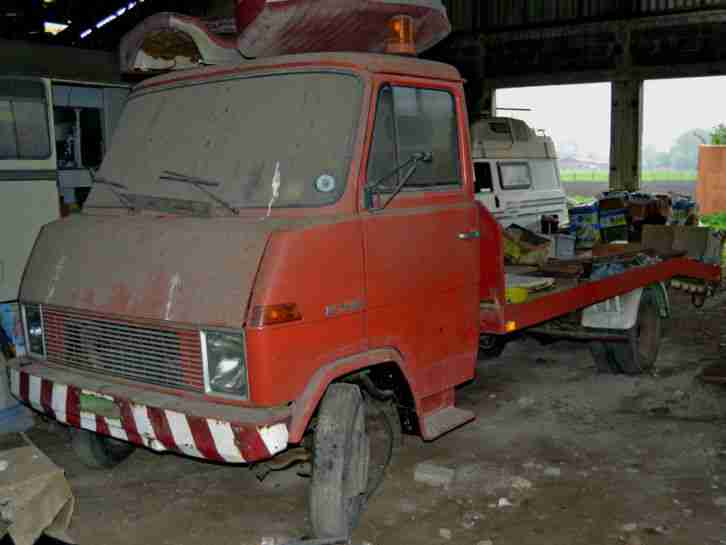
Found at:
[438, 423]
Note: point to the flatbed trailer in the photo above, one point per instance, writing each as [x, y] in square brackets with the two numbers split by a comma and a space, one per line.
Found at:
[568, 295]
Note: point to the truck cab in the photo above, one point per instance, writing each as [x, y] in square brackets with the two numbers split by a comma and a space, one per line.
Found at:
[269, 241]
[517, 175]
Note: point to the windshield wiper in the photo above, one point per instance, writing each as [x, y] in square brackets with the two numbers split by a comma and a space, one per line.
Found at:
[201, 184]
[113, 187]
[413, 162]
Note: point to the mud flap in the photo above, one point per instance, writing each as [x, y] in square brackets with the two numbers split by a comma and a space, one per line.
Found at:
[621, 312]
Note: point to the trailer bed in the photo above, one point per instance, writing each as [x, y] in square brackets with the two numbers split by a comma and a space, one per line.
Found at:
[568, 295]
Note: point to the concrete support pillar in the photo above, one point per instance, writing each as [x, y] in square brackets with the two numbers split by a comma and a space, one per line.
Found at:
[488, 101]
[626, 131]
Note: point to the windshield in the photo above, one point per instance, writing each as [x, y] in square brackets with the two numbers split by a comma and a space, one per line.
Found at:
[279, 140]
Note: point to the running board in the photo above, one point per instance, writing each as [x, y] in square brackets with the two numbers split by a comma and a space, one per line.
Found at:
[436, 424]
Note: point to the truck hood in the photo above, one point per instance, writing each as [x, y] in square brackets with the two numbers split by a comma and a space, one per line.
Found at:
[181, 269]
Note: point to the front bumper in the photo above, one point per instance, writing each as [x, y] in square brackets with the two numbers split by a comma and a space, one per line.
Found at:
[159, 421]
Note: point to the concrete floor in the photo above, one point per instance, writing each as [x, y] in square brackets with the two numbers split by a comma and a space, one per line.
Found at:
[582, 458]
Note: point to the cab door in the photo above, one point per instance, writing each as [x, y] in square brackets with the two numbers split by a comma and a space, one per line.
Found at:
[422, 245]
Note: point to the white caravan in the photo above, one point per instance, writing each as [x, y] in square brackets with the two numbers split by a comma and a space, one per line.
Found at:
[51, 133]
[517, 176]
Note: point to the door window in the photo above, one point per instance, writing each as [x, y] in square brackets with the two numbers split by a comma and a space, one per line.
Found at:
[409, 121]
[515, 176]
[484, 182]
[23, 120]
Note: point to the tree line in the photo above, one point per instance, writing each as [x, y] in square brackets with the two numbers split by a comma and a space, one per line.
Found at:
[683, 154]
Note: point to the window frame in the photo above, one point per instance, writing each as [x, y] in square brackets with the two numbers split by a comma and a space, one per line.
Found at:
[46, 107]
[492, 186]
[459, 183]
[514, 187]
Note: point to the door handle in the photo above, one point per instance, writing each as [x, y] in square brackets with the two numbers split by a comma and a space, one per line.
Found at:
[469, 235]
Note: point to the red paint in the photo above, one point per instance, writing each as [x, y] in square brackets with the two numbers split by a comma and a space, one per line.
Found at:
[102, 426]
[24, 387]
[250, 444]
[161, 428]
[46, 397]
[73, 406]
[203, 438]
[129, 423]
[247, 11]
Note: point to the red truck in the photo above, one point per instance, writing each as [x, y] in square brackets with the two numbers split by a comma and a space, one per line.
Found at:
[267, 242]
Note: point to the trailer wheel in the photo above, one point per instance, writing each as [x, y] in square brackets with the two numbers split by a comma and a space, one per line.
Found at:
[98, 451]
[639, 354]
[340, 463]
[604, 361]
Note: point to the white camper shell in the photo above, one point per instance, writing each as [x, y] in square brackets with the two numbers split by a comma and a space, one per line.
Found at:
[517, 176]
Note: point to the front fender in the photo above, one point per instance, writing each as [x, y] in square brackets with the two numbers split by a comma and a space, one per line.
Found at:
[306, 403]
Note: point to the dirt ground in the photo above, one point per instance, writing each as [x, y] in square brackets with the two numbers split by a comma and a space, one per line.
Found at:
[558, 455]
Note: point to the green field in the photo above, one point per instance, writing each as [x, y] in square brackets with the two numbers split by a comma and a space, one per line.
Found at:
[716, 221]
[646, 176]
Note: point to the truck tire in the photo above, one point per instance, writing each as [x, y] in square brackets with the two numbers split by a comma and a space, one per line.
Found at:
[340, 463]
[98, 451]
[639, 354]
[490, 347]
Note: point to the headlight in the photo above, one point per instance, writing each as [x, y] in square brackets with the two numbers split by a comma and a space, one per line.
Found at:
[225, 369]
[34, 337]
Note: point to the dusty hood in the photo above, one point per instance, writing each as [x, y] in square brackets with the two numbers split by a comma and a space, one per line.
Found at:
[189, 270]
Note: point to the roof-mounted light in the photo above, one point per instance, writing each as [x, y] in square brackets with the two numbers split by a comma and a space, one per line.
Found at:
[402, 39]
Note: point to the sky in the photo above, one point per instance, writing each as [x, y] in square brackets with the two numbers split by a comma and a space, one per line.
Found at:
[581, 113]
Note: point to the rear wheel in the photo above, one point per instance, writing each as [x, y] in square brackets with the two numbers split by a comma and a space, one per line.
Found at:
[639, 352]
[601, 354]
[340, 463]
[490, 346]
[98, 451]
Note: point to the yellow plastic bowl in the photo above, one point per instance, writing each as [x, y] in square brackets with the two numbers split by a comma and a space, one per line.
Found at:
[517, 295]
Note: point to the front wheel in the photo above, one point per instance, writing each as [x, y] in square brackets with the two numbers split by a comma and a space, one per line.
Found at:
[98, 451]
[340, 463]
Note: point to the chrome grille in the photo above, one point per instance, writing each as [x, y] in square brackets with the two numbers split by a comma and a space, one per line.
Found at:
[162, 356]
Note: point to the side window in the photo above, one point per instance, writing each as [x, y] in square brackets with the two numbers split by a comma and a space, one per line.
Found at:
[412, 120]
[515, 176]
[484, 182]
[23, 120]
[383, 157]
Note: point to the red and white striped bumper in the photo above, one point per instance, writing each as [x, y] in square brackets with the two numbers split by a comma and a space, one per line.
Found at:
[153, 427]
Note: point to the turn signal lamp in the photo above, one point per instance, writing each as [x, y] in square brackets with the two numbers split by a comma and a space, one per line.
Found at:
[274, 315]
[510, 327]
[402, 36]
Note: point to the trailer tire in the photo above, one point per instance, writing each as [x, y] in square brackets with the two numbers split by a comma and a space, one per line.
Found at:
[639, 354]
[98, 451]
[604, 361]
[340, 463]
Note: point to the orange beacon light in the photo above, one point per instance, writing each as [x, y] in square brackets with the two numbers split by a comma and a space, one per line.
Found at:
[401, 40]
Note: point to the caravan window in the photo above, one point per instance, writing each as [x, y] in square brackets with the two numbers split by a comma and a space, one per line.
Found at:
[23, 120]
[515, 176]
